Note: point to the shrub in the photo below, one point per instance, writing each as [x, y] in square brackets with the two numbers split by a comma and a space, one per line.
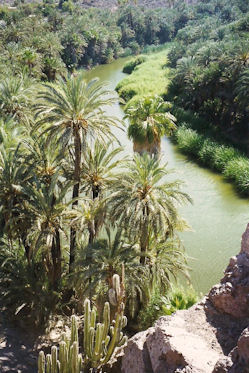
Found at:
[205, 154]
[126, 93]
[180, 299]
[149, 314]
[189, 141]
[237, 170]
[222, 155]
[130, 65]
[177, 299]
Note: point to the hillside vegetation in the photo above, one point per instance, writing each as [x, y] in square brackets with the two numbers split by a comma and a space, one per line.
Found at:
[206, 78]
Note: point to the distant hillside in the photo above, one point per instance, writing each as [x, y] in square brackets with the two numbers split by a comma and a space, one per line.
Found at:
[111, 4]
[145, 3]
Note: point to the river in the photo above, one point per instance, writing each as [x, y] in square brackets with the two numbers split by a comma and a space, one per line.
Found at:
[218, 215]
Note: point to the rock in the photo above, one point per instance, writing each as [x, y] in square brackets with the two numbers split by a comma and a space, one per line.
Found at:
[223, 365]
[243, 347]
[231, 296]
[136, 357]
[245, 241]
[174, 345]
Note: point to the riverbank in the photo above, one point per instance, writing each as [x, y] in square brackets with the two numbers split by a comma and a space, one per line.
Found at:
[152, 77]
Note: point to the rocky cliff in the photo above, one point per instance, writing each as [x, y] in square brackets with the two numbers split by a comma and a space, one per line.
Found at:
[210, 337]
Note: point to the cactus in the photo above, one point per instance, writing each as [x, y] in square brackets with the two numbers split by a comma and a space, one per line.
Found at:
[99, 340]
[68, 360]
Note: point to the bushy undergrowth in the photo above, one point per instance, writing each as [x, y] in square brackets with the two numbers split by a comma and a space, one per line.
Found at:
[179, 298]
[225, 159]
[132, 64]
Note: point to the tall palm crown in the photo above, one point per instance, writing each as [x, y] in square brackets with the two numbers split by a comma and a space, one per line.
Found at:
[73, 110]
[15, 94]
[75, 105]
[149, 121]
[145, 202]
[97, 167]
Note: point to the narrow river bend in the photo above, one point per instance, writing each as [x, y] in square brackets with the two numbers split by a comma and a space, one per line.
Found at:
[218, 215]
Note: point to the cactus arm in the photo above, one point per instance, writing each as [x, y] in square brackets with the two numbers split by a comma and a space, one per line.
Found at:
[86, 342]
[106, 320]
[54, 359]
[41, 362]
[74, 361]
[49, 363]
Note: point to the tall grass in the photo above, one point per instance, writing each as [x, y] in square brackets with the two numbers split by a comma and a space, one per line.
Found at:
[148, 78]
[225, 159]
[132, 64]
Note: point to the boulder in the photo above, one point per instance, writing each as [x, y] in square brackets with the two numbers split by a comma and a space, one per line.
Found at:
[243, 347]
[178, 343]
[231, 296]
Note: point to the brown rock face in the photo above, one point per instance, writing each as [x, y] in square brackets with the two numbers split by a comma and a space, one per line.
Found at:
[243, 347]
[231, 296]
[210, 337]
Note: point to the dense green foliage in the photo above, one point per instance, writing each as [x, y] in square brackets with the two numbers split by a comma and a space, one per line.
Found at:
[45, 39]
[62, 189]
[211, 68]
[208, 86]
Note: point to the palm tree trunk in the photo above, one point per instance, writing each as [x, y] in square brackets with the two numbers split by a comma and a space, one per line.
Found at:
[76, 189]
[56, 257]
[144, 238]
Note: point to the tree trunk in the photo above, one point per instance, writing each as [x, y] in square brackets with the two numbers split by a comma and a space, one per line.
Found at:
[56, 258]
[144, 238]
[76, 189]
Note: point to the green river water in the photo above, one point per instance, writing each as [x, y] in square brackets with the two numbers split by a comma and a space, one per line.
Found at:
[218, 215]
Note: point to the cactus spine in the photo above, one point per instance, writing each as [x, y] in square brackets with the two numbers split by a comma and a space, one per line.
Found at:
[99, 340]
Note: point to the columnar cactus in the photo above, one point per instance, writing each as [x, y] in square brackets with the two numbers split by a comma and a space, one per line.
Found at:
[99, 340]
[98, 345]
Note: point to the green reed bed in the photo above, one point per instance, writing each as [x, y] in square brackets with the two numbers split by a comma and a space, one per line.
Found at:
[225, 159]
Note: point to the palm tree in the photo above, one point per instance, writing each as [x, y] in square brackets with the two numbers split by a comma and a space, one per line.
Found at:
[149, 121]
[47, 210]
[15, 97]
[73, 110]
[14, 175]
[242, 87]
[88, 216]
[108, 256]
[97, 168]
[166, 259]
[45, 159]
[145, 203]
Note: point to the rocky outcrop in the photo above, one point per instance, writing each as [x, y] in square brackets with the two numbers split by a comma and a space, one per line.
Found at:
[210, 337]
[231, 296]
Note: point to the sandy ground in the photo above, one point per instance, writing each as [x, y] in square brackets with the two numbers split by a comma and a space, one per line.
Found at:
[16, 351]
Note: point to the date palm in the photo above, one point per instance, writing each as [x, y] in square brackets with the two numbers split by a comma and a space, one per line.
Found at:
[47, 208]
[73, 110]
[149, 121]
[242, 87]
[15, 97]
[108, 256]
[14, 175]
[144, 202]
[98, 165]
